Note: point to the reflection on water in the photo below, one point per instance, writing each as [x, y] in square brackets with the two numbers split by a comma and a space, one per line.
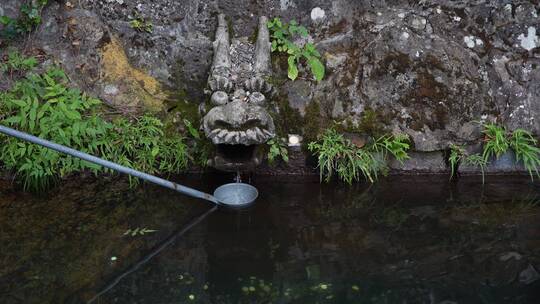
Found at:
[402, 240]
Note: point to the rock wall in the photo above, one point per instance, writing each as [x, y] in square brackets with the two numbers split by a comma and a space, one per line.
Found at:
[431, 69]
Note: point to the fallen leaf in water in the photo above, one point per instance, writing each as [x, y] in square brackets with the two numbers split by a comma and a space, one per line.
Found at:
[510, 255]
[139, 231]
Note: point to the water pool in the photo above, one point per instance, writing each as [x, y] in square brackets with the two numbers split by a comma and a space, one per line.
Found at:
[401, 240]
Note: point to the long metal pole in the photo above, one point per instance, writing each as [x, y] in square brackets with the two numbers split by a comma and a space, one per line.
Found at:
[105, 163]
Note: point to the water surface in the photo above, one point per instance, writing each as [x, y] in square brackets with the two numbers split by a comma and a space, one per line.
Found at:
[401, 240]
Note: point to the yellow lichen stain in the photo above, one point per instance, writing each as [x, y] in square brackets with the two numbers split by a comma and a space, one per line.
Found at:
[136, 86]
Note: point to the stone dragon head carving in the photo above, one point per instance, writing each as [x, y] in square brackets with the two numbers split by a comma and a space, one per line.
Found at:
[239, 119]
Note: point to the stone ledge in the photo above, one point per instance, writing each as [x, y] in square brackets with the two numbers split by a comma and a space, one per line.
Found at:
[420, 162]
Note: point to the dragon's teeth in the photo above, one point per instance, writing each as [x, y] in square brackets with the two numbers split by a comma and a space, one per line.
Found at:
[268, 133]
[228, 136]
[251, 134]
[214, 133]
[222, 133]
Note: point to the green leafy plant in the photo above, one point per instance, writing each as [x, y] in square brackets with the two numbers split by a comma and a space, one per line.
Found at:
[397, 145]
[476, 160]
[457, 154]
[338, 155]
[30, 17]
[191, 129]
[281, 35]
[200, 149]
[142, 145]
[44, 106]
[17, 62]
[526, 150]
[496, 142]
[141, 25]
[277, 148]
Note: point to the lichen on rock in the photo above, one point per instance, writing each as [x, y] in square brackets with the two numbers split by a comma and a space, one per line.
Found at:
[126, 86]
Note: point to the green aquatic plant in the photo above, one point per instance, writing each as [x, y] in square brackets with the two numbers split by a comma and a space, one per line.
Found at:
[45, 106]
[277, 148]
[526, 150]
[30, 17]
[337, 155]
[282, 34]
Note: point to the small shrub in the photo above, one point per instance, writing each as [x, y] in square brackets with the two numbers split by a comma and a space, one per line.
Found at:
[281, 35]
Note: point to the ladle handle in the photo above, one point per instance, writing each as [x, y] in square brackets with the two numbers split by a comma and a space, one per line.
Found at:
[105, 163]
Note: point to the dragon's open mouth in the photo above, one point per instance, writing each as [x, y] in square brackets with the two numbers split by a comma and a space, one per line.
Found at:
[236, 157]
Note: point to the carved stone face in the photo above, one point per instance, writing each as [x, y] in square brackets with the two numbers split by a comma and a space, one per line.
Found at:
[239, 120]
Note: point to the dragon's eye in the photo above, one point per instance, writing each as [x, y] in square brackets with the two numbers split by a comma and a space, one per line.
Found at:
[257, 98]
[219, 98]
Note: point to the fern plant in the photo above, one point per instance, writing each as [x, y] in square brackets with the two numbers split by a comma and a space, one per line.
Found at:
[44, 106]
[476, 160]
[141, 144]
[41, 105]
[338, 155]
[526, 150]
[457, 154]
[496, 142]
[281, 34]
[397, 145]
[17, 62]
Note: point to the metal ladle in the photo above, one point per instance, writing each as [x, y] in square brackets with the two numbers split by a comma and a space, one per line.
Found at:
[234, 195]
